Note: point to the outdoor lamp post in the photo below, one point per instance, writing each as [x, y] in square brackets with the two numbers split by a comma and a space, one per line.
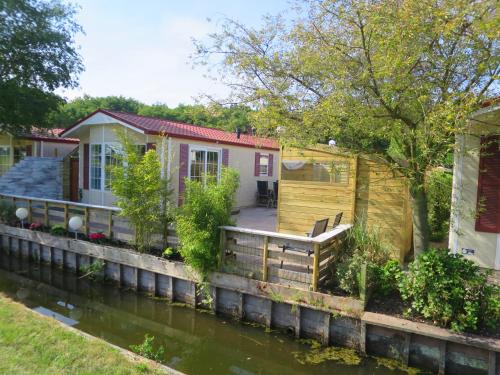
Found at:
[22, 213]
[75, 223]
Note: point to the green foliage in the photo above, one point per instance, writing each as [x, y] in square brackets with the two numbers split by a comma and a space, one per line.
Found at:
[94, 270]
[142, 193]
[452, 291]
[37, 56]
[58, 230]
[69, 113]
[439, 190]
[362, 245]
[340, 70]
[206, 207]
[387, 277]
[146, 349]
[213, 115]
[8, 213]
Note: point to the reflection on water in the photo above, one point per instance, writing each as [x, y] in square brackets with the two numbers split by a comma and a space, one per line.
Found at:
[195, 342]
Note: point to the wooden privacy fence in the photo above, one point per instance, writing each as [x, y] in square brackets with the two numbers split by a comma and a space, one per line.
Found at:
[298, 261]
[102, 219]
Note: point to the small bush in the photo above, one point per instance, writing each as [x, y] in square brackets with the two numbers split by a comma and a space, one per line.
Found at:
[388, 277]
[439, 190]
[206, 207]
[58, 230]
[452, 291]
[362, 245]
[8, 213]
[146, 349]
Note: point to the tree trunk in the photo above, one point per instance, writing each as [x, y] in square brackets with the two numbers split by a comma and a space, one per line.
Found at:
[421, 232]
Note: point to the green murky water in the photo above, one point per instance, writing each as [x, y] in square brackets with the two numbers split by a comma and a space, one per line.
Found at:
[195, 342]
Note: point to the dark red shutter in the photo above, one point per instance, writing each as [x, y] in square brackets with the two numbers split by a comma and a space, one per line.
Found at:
[256, 170]
[488, 192]
[225, 157]
[29, 150]
[150, 146]
[86, 153]
[183, 169]
[270, 165]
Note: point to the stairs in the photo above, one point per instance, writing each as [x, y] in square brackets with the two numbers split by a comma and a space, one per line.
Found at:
[34, 177]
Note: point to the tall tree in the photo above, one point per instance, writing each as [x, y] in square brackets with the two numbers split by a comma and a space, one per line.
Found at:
[392, 77]
[37, 56]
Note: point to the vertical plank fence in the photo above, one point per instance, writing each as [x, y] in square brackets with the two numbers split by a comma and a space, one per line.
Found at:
[297, 261]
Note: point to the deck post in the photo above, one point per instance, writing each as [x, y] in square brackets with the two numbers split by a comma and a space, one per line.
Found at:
[264, 258]
[46, 213]
[110, 224]
[316, 268]
[66, 214]
[87, 221]
[30, 213]
[222, 246]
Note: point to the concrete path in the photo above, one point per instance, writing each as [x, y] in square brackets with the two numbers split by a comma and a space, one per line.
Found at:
[261, 218]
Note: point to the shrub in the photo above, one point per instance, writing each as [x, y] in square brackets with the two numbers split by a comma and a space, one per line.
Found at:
[142, 193]
[439, 190]
[146, 349]
[206, 207]
[8, 213]
[388, 277]
[452, 291]
[58, 230]
[35, 226]
[97, 237]
[362, 245]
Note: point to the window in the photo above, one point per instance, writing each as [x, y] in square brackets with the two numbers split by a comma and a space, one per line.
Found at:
[264, 165]
[333, 172]
[204, 162]
[95, 166]
[4, 159]
[111, 152]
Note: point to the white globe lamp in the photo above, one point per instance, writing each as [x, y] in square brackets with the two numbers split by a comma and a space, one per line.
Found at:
[22, 214]
[332, 143]
[75, 223]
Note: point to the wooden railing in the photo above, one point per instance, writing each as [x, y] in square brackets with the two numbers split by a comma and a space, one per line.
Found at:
[51, 212]
[298, 261]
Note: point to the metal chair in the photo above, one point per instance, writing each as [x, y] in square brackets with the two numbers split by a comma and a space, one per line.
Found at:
[264, 195]
[337, 220]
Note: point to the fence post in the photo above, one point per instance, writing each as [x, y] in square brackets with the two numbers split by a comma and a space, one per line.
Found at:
[264, 258]
[66, 214]
[46, 213]
[363, 292]
[222, 245]
[30, 213]
[316, 267]
[87, 226]
[110, 224]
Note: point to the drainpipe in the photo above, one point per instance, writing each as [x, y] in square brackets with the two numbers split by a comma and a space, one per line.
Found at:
[456, 197]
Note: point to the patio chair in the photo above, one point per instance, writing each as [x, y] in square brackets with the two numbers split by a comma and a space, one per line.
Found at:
[337, 219]
[264, 195]
[275, 191]
[318, 228]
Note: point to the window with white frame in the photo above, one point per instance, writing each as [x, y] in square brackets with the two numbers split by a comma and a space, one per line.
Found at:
[204, 162]
[4, 159]
[102, 158]
[95, 166]
[111, 159]
[264, 165]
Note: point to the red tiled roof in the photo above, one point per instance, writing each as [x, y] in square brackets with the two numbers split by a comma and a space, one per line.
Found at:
[49, 135]
[156, 126]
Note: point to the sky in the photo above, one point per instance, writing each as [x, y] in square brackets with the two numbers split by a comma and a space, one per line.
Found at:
[141, 49]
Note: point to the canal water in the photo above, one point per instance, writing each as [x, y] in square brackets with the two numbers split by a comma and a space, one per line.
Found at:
[195, 342]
